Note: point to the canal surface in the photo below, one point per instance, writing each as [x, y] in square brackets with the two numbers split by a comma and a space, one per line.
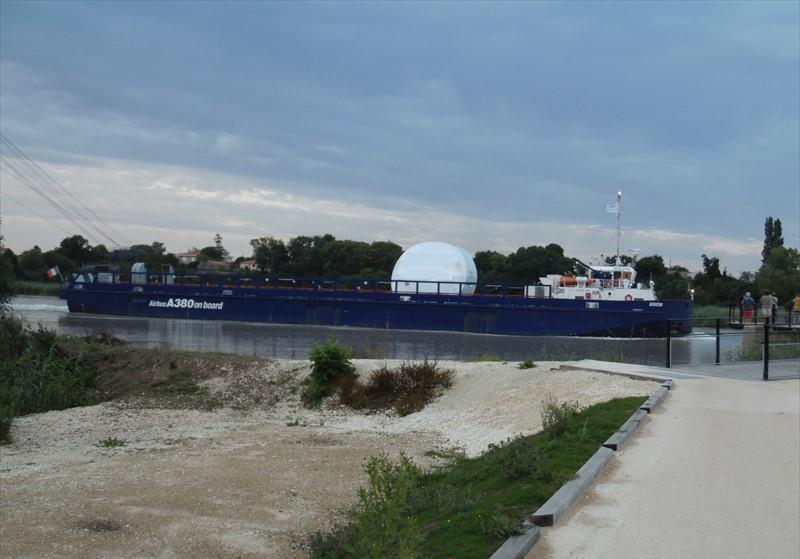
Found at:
[295, 342]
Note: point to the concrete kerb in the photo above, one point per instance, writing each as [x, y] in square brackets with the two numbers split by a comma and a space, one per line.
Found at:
[654, 399]
[516, 547]
[549, 513]
[616, 440]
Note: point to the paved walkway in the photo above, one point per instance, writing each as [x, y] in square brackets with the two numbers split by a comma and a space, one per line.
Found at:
[713, 473]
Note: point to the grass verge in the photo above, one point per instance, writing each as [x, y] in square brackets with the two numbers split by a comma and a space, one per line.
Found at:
[468, 507]
[36, 288]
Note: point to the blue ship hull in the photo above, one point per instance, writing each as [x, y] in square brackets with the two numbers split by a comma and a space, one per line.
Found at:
[375, 308]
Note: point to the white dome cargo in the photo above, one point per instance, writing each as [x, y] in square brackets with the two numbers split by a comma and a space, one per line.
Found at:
[423, 267]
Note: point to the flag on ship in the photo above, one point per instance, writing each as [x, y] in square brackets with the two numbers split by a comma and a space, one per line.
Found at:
[53, 272]
[612, 208]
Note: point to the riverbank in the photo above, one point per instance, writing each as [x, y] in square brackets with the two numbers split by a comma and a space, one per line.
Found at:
[39, 288]
[239, 467]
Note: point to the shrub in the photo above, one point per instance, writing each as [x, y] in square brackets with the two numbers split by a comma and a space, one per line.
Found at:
[527, 364]
[383, 524]
[112, 442]
[498, 525]
[37, 375]
[407, 389]
[518, 458]
[328, 362]
[555, 416]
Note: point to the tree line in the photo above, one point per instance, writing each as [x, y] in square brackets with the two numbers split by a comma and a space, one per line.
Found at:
[326, 256]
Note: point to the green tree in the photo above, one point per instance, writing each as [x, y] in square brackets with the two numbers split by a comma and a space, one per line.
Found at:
[623, 258]
[528, 264]
[345, 258]
[153, 255]
[32, 264]
[57, 258]
[212, 253]
[492, 266]
[382, 257]
[780, 274]
[98, 254]
[224, 254]
[270, 254]
[773, 237]
[6, 278]
[77, 249]
[650, 268]
[675, 284]
[305, 255]
[711, 267]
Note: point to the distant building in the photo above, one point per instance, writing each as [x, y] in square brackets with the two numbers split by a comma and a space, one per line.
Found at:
[207, 265]
[189, 257]
[248, 265]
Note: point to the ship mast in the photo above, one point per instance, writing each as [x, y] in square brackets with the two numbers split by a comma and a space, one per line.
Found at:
[619, 224]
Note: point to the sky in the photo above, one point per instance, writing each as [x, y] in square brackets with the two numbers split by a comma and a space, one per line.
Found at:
[487, 125]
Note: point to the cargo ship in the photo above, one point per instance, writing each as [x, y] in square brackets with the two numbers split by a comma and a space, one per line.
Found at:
[434, 287]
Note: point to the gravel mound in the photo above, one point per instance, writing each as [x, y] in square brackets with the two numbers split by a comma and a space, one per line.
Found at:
[253, 475]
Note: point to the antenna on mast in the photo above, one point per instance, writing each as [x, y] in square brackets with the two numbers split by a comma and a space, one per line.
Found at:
[619, 224]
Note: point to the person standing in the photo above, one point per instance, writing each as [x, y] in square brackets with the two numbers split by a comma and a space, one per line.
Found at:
[774, 307]
[748, 303]
[765, 302]
[796, 309]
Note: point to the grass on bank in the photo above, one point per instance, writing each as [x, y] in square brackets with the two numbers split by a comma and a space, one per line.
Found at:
[39, 373]
[50, 288]
[467, 508]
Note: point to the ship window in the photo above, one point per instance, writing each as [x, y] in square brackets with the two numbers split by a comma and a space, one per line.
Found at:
[246, 282]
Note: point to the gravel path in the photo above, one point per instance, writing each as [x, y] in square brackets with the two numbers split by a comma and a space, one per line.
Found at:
[253, 479]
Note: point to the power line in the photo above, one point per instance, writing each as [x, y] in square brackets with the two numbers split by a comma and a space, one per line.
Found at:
[24, 179]
[38, 180]
[51, 222]
[36, 175]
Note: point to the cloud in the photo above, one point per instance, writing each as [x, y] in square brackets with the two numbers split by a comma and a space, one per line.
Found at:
[477, 122]
[185, 207]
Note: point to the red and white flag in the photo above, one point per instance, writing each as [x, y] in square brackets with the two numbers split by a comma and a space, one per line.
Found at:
[53, 272]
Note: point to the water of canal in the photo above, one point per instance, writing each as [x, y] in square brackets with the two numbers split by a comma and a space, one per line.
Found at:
[294, 342]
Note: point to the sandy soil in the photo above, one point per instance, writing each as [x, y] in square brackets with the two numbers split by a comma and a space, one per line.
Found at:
[254, 478]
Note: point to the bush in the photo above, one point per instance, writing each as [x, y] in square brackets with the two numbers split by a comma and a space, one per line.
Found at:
[329, 362]
[37, 375]
[555, 416]
[407, 389]
[519, 457]
[383, 524]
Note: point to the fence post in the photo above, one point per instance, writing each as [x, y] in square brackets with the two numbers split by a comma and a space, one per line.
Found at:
[669, 344]
[716, 359]
[766, 351]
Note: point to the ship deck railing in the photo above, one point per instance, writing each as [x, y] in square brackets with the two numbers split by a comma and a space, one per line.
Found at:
[309, 284]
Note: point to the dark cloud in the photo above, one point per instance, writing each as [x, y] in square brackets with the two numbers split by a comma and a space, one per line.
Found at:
[509, 111]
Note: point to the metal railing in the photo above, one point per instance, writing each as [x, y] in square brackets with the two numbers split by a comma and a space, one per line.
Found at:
[764, 341]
